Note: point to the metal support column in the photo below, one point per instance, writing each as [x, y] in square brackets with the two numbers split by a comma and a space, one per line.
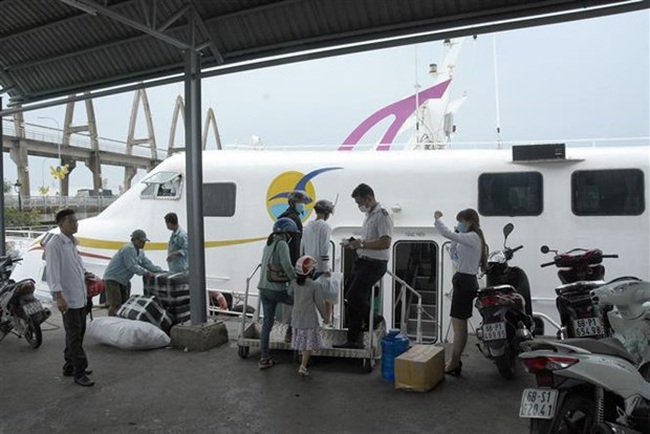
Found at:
[194, 184]
[2, 196]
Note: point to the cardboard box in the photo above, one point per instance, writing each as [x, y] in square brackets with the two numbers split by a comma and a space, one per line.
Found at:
[420, 368]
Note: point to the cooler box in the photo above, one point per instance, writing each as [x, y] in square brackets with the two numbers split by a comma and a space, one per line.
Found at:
[421, 368]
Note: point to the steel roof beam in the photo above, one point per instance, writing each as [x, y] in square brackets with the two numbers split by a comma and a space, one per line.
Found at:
[468, 30]
[91, 6]
[173, 18]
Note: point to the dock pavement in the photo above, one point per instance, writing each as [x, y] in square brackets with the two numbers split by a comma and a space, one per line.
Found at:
[172, 391]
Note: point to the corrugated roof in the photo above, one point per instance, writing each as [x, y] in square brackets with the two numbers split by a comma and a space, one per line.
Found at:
[51, 48]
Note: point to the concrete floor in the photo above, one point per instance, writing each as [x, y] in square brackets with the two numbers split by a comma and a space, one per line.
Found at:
[169, 391]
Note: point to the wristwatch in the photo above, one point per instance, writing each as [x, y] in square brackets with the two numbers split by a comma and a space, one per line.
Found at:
[363, 245]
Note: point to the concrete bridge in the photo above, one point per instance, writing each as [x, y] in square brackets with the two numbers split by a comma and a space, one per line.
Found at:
[72, 143]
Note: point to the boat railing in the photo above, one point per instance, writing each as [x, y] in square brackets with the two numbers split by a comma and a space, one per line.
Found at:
[406, 289]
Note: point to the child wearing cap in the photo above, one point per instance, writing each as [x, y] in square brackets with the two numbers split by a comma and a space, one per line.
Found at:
[308, 301]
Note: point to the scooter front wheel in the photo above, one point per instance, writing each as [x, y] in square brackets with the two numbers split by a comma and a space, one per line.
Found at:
[31, 331]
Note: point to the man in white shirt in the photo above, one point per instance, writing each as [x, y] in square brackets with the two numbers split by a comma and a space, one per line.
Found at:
[66, 278]
[373, 251]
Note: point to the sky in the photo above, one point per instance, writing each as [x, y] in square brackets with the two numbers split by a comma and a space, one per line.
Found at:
[581, 80]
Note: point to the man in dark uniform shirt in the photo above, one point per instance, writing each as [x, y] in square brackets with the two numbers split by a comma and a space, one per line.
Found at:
[297, 200]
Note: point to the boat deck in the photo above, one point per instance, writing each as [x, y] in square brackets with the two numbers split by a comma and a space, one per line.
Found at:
[169, 391]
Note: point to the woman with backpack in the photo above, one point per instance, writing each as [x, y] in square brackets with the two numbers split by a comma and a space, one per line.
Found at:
[277, 271]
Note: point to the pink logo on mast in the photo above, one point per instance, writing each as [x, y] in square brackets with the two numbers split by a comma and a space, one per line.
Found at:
[401, 110]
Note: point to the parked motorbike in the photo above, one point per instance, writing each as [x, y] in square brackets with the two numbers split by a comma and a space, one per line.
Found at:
[20, 312]
[595, 386]
[505, 308]
[580, 271]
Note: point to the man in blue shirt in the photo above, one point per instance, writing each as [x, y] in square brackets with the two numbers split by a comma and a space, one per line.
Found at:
[177, 247]
[128, 261]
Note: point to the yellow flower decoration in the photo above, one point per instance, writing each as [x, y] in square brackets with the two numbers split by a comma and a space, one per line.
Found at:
[59, 172]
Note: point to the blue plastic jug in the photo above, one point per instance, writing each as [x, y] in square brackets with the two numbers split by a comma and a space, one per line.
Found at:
[392, 345]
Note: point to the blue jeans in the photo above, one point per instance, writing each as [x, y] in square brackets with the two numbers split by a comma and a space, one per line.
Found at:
[270, 300]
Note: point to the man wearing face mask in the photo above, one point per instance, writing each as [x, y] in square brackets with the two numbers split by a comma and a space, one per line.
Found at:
[373, 251]
[297, 200]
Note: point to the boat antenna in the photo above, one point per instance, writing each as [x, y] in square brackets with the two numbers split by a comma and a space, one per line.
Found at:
[496, 90]
[417, 100]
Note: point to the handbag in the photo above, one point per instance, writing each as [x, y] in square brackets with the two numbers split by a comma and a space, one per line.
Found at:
[275, 273]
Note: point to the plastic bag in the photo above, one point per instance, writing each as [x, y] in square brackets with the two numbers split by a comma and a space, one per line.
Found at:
[332, 291]
[127, 334]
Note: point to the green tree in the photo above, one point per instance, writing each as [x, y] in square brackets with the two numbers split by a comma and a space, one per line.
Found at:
[7, 186]
[15, 218]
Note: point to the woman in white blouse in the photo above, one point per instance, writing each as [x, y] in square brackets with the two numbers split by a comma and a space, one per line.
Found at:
[468, 252]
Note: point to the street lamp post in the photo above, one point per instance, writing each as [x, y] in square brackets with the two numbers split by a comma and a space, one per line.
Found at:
[18, 186]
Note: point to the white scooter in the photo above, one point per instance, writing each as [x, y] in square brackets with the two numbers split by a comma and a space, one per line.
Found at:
[595, 386]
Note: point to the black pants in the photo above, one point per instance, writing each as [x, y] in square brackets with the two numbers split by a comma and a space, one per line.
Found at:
[359, 290]
[74, 322]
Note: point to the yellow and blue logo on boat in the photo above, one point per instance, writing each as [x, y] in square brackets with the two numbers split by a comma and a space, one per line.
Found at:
[285, 183]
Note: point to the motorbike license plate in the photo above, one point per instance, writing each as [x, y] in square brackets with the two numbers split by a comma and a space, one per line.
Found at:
[32, 307]
[494, 331]
[587, 327]
[538, 403]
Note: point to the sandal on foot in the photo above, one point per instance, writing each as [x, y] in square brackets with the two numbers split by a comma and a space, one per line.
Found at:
[266, 363]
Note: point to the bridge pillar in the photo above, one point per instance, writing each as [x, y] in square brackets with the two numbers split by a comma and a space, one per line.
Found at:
[65, 182]
[19, 154]
[131, 141]
[95, 166]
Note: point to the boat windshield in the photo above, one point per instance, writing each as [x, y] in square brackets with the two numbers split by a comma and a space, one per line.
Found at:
[162, 185]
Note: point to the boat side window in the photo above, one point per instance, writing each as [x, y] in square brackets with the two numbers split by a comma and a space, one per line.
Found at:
[607, 192]
[511, 194]
[219, 199]
[162, 185]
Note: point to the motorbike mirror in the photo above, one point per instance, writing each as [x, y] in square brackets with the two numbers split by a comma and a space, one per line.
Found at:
[507, 229]
[544, 249]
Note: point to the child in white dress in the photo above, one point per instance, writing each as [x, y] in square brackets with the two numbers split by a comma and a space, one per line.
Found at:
[308, 302]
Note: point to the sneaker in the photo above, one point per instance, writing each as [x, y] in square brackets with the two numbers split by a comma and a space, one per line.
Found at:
[303, 371]
[83, 380]
[266, 363]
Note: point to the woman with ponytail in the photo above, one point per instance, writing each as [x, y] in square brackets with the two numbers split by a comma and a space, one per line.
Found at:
[468, 252]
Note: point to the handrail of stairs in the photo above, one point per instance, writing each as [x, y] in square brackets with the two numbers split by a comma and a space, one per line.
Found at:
[406, 287]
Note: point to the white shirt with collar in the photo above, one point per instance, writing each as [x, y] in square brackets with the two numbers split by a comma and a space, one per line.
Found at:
[64, 270]
[465, 248]
[377, 223]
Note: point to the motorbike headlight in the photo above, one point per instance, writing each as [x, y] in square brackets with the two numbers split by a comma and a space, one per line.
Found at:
[497, 257]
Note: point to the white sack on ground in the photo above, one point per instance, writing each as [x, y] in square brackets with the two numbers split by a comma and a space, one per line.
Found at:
[127, 334]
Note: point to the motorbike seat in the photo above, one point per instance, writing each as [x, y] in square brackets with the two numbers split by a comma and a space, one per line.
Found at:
[606, 346]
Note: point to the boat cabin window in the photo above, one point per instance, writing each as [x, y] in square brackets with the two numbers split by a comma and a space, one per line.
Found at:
[607, 192]
[219, 199]
[162, 185]
[510, 194]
